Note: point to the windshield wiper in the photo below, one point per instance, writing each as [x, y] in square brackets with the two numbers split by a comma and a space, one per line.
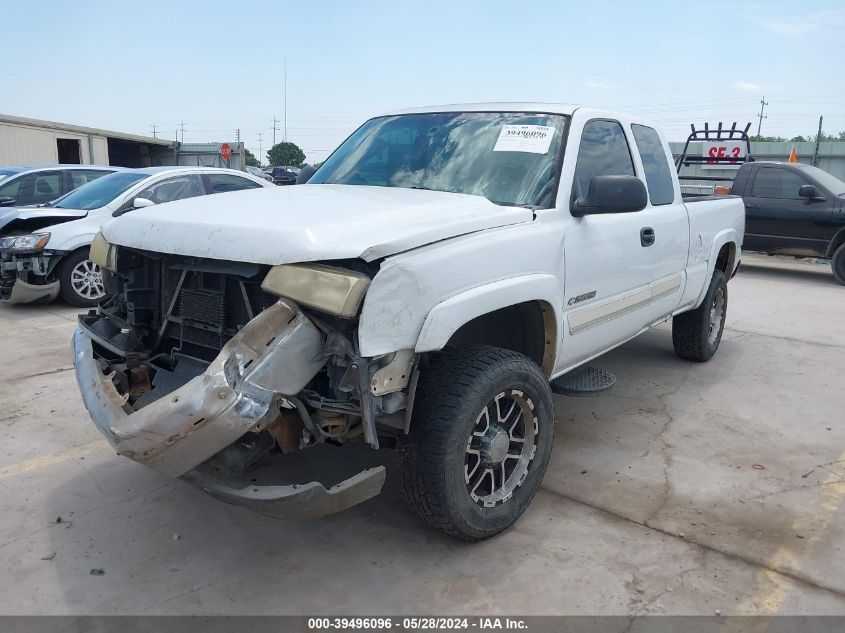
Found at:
[533, 207]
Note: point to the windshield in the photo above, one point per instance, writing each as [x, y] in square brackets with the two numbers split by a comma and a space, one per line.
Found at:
[100, 192]
[510, 158]
[826, 180]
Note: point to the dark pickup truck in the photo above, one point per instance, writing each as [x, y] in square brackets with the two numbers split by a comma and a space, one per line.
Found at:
[793, 209]
[790, 208]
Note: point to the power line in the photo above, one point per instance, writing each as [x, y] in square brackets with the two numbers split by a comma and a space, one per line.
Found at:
[761, 116]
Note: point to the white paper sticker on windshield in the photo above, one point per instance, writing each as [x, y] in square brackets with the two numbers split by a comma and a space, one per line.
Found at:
[525, 138]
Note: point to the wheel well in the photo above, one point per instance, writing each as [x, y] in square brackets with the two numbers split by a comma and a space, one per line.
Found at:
[528, 328]
[836, 242]
[726, 259]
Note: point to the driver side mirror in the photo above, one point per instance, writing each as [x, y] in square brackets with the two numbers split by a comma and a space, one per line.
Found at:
[810, 192]
[305, 175]
[7, 201]
[611, 194]
[140, 203]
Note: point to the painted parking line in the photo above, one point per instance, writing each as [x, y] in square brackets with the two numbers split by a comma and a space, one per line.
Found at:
[770, 589]
[37, 463]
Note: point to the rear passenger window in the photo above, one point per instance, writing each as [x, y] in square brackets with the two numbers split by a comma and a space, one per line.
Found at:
[603, 152]
[221, 183]
[170, 189]
[658, 176]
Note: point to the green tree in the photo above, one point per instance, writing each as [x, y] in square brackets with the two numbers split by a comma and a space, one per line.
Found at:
[798, 139]
[824, 137]
[286, 154]
[251, 160]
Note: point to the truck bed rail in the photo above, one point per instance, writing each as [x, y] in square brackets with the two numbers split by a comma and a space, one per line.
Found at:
[720, 133]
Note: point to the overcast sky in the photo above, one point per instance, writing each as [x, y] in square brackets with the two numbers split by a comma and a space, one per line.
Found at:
[218, 66]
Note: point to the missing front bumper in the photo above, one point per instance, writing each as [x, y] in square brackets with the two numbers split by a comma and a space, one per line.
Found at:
[276, 353]
[295, 501]
[23, 292]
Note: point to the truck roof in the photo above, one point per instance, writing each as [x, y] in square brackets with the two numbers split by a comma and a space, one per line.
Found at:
[525, 106]
[504, 106]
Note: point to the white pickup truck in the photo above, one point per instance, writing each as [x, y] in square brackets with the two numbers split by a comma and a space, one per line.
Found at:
[426, 290]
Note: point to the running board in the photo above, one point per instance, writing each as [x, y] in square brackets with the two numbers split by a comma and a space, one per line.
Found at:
[584, 381]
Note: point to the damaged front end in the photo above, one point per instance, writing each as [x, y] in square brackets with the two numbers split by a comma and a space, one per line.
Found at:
[27, 271]
[194, 369]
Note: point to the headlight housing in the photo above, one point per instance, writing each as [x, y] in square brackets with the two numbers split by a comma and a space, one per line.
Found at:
[103, 254]
[24, 243]
[333, 290]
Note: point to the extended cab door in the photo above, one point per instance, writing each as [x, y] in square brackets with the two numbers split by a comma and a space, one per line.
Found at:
[667, 215]
[777, 219]
[622, 271]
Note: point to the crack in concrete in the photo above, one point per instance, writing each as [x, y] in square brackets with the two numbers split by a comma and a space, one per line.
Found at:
[666, 447]
[698, 566]
[785, 338]
[49, 372]
[796, 488]
[729, 555]
[777, 307]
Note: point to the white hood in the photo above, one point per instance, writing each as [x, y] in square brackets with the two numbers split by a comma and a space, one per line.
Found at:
[302, 223]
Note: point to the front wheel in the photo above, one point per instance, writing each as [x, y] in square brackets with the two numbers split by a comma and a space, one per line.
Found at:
[837, 263]
[480, 441]
[696, 334]
[80, 280]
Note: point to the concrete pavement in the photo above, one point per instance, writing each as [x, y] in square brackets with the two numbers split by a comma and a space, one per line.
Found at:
[688, 489]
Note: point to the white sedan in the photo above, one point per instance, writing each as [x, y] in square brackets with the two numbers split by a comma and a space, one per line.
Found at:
[44, 250]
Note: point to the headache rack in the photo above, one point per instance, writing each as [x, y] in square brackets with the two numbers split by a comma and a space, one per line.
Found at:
[719, 133]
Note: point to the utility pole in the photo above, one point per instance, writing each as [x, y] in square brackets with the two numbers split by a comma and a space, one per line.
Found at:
[260, 150]
[155, 129]
[286, 99]
[763, 104]
[238, 135]
[182, 127]
[275, 127]
[818, 140]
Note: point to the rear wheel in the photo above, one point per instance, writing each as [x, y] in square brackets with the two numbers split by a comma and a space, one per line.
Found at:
[837, 263]
[480, 441]
[696, 334]
[80, 280]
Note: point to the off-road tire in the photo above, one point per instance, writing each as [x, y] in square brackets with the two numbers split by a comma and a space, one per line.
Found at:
[66, 289]
[837, 264]
[453, 390]
[692, 335]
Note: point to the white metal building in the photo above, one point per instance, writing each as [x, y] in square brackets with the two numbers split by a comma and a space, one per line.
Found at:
[25, 141]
